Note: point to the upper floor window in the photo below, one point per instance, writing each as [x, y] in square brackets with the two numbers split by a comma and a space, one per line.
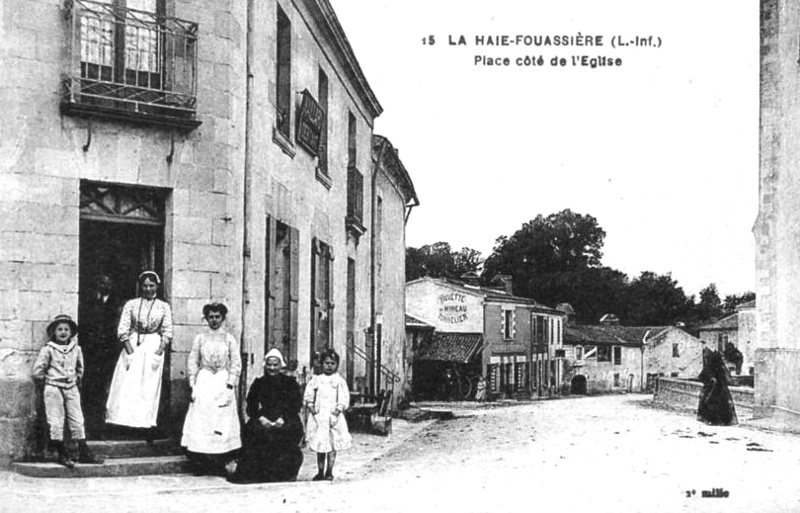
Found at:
[351, 140]
[322, 92]
[617, 355]
[675, 351]
[129, 60]
[541, 332]
[355, 201]
[283, 75]
[603, 353]
[508, 324]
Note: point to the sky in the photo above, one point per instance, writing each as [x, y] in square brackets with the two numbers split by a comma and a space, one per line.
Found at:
[662, 149]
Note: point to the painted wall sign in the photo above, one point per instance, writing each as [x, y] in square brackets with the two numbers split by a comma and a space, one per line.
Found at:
[453, 308]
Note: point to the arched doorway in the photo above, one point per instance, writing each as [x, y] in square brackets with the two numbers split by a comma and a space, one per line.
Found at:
[578, 385]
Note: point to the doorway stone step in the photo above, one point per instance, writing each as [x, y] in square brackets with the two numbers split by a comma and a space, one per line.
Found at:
[122, 458]
[112, 467]
[135, 448]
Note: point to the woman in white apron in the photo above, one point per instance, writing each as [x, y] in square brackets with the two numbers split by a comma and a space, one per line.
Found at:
[211, 431]
[145, 330]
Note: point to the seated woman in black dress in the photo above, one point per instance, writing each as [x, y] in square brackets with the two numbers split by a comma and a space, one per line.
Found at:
[271, 438]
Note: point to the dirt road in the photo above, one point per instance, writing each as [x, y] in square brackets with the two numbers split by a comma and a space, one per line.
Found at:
[585, 454]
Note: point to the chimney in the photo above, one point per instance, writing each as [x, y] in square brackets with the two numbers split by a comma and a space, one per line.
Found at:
[504, 282]
[609, 320]
[470, 278]
[567, 310]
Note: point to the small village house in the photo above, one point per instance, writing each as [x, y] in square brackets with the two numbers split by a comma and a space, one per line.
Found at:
[610, 358]
[511, 340]
[737, 329]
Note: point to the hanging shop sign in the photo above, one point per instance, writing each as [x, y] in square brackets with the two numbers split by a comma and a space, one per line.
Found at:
[310, 122]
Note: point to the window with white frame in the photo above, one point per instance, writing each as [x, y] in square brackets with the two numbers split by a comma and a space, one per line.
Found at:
[508, 320]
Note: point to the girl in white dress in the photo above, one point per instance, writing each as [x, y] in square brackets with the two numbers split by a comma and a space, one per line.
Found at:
[327, 397]
[211, 431]
[145, 330]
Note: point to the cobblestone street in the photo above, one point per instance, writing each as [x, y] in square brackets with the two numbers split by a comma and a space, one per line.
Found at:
[611, 453]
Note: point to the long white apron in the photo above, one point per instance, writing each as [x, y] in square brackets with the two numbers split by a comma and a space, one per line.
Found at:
[136, 385]
[212, 424]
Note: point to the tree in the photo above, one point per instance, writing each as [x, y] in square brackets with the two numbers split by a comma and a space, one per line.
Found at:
[655, 300]
[709, 308]
[467, 260]
[440, 261]
[733, 301]
[560, 242]
[592, 291]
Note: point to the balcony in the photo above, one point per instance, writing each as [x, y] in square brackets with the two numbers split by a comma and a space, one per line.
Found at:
[355, 202]
[131, 65]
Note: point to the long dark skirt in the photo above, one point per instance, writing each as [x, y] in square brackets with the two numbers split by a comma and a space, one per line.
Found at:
[716, 405]
[269, 455]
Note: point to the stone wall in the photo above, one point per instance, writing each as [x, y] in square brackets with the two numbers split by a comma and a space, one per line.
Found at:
[684, 394]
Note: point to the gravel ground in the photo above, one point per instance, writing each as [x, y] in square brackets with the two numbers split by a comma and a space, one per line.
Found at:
[610, 453]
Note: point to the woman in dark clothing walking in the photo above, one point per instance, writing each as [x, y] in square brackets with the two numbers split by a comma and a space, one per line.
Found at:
[716, 404]
[271, 439]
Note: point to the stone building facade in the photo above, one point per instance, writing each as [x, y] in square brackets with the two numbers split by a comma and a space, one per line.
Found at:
[738, 329]
[518, 339]
[607, 359]
[227, 145]
[777, 227]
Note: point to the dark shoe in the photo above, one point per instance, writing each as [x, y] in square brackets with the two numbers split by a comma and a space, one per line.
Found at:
[64, 457]
[85, 455]
[65, 460]
[318, 477]
[329, 477]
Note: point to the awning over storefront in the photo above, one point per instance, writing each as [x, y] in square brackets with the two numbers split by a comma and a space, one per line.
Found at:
[450, 347]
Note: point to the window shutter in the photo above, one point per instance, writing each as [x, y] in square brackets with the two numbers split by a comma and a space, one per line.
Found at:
[514, 324]
[269, 284]
[294, 288]
[314, 299]
[502, 323]
[330, 306]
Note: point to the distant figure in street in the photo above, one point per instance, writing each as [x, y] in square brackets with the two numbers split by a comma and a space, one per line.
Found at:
[327, 397]
[449, 385]
[480, 390]
[145, 330]
[716, 404]
[271, 450]
[59, 368]
[211, 432]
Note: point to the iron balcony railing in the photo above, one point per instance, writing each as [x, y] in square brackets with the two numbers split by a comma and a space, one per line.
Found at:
[131, 63]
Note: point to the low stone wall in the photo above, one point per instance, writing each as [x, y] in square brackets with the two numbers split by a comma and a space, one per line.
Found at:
[685, 394]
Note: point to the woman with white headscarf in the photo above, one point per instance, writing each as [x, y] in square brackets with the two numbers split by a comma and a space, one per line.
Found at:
[271, 438]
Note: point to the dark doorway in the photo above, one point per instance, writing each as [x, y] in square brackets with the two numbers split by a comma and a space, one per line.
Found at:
[578, 385]
[118, 239]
